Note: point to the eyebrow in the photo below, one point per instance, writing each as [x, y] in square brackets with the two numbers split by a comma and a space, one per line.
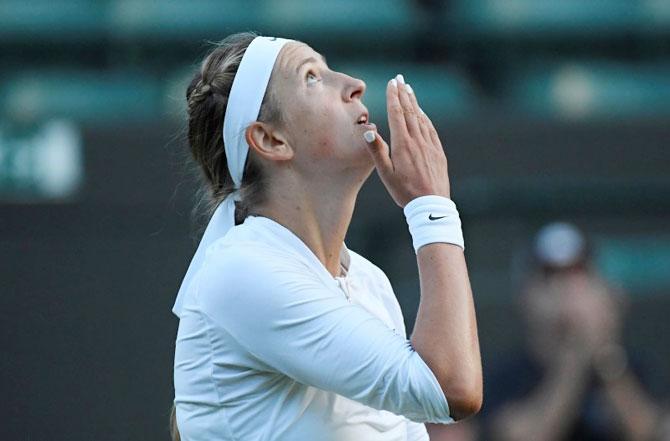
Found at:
[307, 60]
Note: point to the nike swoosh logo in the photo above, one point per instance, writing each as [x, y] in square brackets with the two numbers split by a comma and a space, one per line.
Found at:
[430, 216]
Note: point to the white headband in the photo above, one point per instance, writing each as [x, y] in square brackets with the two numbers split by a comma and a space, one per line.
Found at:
[244, 103]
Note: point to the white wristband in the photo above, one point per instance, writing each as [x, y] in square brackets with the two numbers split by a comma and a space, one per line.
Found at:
[432, 218]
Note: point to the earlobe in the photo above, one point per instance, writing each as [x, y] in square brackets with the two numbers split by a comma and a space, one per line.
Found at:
[267, 142]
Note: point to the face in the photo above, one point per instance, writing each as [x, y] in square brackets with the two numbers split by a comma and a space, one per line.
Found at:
[320, 109]
[547, 307]
[540, 307]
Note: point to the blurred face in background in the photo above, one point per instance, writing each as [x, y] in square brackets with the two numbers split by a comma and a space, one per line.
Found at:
[541, 309]
[570, 308]
[320, 110]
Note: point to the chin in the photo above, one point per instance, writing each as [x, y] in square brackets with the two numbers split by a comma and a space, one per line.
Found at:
[365, 167]
[362, 156]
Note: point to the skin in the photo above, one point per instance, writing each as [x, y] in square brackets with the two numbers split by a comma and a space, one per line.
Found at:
[316, 164]
[572, 317]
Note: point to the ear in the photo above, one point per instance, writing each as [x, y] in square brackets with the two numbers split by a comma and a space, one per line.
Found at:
[268, 142]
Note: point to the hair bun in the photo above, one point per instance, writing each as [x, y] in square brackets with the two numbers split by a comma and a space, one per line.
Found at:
[205, 88]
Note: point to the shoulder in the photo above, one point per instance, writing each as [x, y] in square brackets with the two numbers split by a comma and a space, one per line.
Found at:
[250, 280]
[243, 263]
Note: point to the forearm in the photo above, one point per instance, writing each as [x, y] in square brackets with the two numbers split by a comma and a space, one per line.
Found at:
[551, 407]
[445, 331]
[639, 415]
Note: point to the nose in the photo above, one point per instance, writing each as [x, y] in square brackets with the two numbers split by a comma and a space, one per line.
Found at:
[355, 89]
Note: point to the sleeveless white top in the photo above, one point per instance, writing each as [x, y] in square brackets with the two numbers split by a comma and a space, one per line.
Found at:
[271, 346]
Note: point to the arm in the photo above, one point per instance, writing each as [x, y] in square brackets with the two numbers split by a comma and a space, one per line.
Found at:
[638, 413]
[445, 331]
[293, 323]
[607, 304]
[552, 406]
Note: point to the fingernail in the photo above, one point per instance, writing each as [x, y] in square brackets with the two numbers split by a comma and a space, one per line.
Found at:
[422, 112]
[409, 88]
[394, 83]
[401, 79]
[369, 136]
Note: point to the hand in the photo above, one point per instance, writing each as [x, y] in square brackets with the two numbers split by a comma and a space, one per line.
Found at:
[416, 164]
[590, 310]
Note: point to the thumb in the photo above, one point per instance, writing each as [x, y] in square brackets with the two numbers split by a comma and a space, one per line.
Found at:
[379, 150]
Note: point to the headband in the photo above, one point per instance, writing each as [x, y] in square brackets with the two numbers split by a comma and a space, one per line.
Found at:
[244, 103]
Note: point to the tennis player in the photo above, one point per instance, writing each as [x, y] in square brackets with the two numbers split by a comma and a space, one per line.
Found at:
[285, 333]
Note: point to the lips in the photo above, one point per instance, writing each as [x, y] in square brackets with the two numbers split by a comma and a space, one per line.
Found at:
[363, 118]
[368, 126]
[363, 121]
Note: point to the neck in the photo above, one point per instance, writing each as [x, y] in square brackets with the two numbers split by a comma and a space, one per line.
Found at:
[318, 214]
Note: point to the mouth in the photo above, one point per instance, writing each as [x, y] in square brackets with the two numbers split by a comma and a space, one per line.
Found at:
[363, 121]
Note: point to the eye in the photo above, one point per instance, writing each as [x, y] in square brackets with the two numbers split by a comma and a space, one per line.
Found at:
[312, 76]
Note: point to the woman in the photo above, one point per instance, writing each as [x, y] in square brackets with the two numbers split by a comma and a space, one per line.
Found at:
[285, 333]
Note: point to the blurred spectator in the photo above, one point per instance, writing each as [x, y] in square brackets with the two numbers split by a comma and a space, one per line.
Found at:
[574, 380]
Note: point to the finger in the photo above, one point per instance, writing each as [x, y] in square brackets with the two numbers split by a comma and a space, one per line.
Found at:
[425, 128]
[396, 117]
[411, 118]
[433, 132]
[380, 151]
[423, 125]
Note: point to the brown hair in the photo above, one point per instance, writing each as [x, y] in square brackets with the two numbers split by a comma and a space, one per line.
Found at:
[207, 97]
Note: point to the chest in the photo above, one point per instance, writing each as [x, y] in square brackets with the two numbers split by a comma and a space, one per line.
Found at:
[370, 294]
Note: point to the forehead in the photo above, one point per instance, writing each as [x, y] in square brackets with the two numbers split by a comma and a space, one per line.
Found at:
[292, 54]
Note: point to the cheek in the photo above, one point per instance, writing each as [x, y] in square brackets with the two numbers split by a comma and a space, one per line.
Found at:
[320, 127]
[323, 144]
[322, 133]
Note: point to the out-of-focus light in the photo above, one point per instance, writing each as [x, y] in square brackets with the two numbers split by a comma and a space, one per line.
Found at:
[559, 244]
[43, 162]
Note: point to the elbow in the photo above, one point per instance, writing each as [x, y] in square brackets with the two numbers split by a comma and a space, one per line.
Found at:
[464, 407]
[464, 401]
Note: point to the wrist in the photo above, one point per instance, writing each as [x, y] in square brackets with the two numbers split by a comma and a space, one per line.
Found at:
[433, 218]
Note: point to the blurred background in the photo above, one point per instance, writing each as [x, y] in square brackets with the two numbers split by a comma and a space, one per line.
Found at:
[549, 111]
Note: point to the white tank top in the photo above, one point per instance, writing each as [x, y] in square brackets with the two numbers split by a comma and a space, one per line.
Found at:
[271, 346]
